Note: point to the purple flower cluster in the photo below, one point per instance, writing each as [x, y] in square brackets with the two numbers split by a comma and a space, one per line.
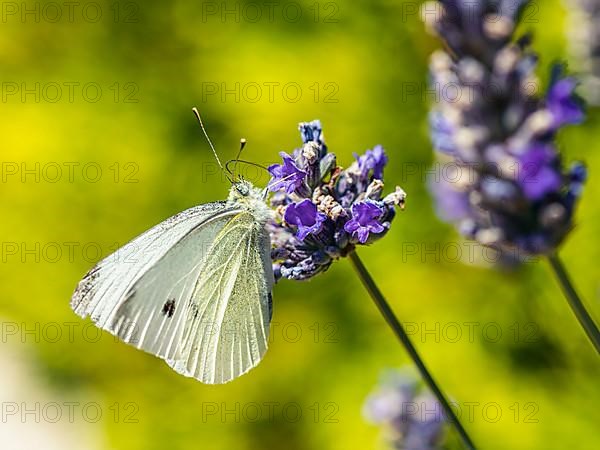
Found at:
[413, 420]
[514, 192]
[323, 211]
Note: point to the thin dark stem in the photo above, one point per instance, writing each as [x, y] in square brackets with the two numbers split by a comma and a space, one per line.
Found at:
[575, 302]
[399, 331]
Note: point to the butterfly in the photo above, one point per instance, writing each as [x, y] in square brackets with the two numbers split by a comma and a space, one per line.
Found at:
[195, 290]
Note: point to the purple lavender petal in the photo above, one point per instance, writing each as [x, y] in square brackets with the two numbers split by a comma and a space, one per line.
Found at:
[537, 177]
[305, 216]
[286, 176]
[365, 216]
[373, 160]
[563, 104]
[452, 204]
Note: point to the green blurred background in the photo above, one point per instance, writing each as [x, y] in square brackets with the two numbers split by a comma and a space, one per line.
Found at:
[352, 62]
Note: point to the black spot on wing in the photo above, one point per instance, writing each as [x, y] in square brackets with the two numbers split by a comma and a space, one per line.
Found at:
[169, 308]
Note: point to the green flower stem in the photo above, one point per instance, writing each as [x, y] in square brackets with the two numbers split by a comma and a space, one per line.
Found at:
[575, 302]
[396, 326]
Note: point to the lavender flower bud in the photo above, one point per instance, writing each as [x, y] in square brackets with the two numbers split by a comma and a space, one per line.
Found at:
[396, 198]
[374, 190]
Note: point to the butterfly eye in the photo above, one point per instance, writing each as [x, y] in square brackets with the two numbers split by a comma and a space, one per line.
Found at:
[242, 188]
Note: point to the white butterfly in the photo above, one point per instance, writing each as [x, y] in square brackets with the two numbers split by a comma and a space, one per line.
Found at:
[195, 290]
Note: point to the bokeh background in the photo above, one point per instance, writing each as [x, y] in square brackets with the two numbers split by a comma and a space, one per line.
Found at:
[352, 62]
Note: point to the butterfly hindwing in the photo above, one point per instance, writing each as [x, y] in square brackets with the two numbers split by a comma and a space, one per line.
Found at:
[227, 326]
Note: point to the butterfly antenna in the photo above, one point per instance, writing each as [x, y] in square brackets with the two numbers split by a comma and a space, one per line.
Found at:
[242, 145]
[212, 147]
[250, 163]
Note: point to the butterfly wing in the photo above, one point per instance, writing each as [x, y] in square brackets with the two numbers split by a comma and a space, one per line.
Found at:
[193, 297]
[227, 327]
[107, 287]
[103, 288]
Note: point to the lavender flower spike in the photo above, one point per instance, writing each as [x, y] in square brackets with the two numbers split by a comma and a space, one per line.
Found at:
[323, 211]
[411, 419]
[514, 193]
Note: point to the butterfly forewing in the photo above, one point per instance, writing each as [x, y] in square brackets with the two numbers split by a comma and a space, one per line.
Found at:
[155, 309]
[104, 288]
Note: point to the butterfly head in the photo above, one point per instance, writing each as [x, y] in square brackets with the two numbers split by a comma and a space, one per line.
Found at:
[244, 195]
[243, 191]
[242, 187]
